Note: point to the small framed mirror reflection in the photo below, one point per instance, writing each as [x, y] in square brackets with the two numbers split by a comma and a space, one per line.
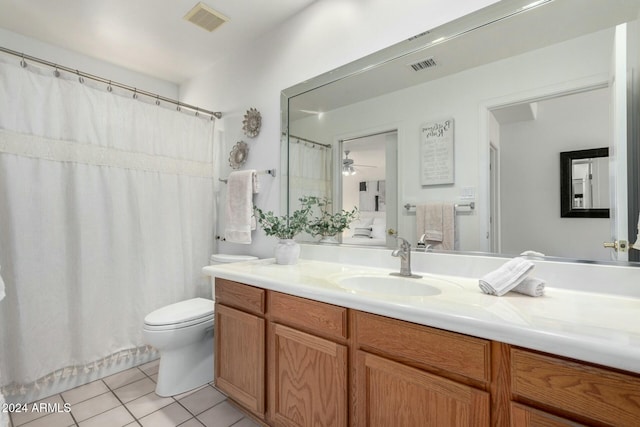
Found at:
[584, 183]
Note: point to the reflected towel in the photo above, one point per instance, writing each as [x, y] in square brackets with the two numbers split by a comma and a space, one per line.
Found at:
[436, 221]
[241, 185]
[505, 278]
[531, 286]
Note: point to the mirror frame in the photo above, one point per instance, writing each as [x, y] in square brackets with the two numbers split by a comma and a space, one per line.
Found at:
[566, 184]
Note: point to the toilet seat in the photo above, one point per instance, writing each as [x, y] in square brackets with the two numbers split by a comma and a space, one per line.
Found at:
[180, 315]
[180, 325]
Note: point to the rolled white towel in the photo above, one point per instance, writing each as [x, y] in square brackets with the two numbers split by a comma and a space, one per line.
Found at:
[502, 280]
[531, 286]
[533, 254]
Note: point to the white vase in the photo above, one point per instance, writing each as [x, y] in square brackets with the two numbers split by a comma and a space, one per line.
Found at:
[287, 252]
[329, 240]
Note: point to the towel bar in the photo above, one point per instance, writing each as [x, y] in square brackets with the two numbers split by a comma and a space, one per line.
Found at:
[271, 172]
[470, 205]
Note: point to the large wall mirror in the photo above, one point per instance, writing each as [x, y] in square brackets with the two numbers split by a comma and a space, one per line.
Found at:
[519, 83]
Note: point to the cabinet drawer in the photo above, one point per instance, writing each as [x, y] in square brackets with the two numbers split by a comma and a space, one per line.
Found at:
[449, 351]
[523, 416]
[600, 394]
[323, 319]
[241, 296]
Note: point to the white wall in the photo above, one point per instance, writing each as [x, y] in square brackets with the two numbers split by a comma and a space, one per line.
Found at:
[461, 97]
[77, 61]
[531, 189]
[326, 35]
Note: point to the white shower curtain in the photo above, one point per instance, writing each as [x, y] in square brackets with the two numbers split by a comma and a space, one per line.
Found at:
[309, 171]
[106, 213]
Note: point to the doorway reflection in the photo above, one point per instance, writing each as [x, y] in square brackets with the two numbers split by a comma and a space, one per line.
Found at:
[368, 166]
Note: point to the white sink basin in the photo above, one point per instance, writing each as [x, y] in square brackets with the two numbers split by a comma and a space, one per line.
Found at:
[393, 285]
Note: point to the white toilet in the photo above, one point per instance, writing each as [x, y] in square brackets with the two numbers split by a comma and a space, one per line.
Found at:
[183, 334]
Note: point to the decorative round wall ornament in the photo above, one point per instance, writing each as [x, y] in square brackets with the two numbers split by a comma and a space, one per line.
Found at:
[238, 155]
[252, 123]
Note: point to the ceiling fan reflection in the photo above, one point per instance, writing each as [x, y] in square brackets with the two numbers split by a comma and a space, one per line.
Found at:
[349, 167]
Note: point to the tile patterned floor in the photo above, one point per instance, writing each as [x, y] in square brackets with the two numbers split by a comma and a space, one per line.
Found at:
[128, 399]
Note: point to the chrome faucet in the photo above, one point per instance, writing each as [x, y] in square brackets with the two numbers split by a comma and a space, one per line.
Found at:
[404, 252]
[422, 244]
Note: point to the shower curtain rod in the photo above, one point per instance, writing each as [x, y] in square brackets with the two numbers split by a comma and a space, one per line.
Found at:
[309, 141]
[110, 83]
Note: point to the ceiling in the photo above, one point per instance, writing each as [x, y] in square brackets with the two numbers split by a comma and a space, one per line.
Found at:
[147, 36]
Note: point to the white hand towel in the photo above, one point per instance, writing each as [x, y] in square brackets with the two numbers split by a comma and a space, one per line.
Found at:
[531, 286]
[239, 207]
[502, 280]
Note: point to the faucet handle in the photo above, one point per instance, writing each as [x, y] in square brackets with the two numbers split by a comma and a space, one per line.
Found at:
[404, 243]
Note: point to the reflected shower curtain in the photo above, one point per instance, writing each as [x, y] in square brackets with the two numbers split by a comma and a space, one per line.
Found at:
[106, 213]
[309, 171]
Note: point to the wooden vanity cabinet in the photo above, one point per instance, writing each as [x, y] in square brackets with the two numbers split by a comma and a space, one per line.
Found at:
[413, 375]
[240, 344]
[307, 362]
[295, 362]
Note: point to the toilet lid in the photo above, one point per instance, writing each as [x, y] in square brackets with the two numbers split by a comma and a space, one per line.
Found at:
[180, 312]
[225, 258]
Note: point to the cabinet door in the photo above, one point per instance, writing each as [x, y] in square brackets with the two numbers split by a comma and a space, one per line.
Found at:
[392, 394]
[308, 379]
[240, 357]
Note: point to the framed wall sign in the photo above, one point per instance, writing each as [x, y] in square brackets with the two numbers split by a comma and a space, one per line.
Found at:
[436, 153]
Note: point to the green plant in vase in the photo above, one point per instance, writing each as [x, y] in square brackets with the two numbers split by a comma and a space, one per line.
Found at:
[326, 223]
[285, 228]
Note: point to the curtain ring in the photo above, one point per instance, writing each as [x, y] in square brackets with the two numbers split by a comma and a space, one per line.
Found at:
[80, 78]
[23, 63]
[56, 72]
[178, 107]
[135, 93]
[157, 99]
[109, 88]
[197, 111]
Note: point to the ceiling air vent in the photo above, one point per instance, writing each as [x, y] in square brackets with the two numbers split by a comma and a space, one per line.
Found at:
[424, 64]
[205, 17]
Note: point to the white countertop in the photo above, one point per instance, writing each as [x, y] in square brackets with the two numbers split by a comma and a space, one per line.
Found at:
[593, 327]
